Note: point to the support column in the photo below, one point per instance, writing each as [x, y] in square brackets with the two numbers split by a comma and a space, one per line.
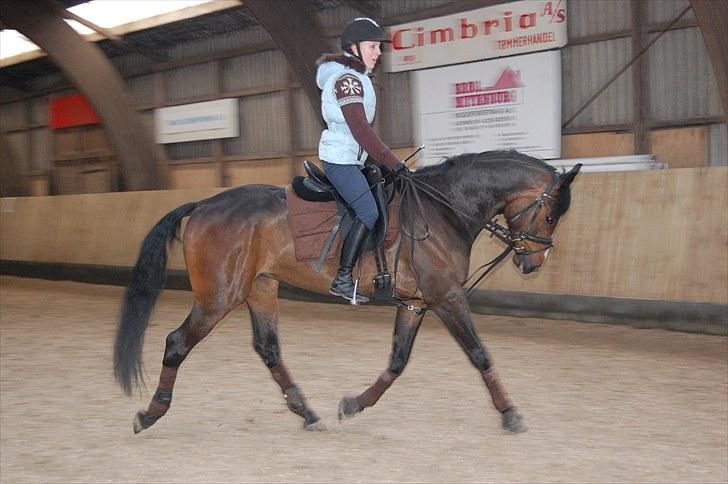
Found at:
[298, 34]
[640, 112]
[93, 74]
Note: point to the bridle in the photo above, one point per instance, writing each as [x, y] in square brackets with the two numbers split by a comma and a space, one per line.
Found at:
[514, 239]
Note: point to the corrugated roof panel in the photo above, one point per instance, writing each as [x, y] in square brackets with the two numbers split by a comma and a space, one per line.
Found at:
[263, 126]
[254, 70]
[681, 80]
[39, 110]
[187, 82]
[589, 17]
[19, 144]
[218, 43]
[586, 69]
[394, 119]
[403, 7]
[41, 149]
[307, 128]
[659, 11]
[142, 89]
[718, 145]
[13, 115]
[189, 150]
[335, 18]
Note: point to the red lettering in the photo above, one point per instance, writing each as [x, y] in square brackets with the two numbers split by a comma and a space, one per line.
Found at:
[547, 10]
[490, 25]
[527, 20]
[508, 21]
[467, 31]
[397, 40]
[446, 35]
[420, 37]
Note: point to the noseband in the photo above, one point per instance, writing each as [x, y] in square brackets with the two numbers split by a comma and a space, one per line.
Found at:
[514, 239]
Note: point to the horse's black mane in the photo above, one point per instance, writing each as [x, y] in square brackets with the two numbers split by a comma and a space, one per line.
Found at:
[509, 157]
[485, 157]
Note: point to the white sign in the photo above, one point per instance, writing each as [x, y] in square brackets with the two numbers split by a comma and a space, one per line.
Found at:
[501, 104]
[485, 33]
[191, 122]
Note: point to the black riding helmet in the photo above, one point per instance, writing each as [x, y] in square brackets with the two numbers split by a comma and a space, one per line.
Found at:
[359, 30]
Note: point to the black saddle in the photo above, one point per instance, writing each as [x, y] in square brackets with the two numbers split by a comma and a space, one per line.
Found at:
[315, 187]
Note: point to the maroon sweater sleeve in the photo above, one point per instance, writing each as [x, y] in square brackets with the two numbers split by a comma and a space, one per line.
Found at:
[349, 97]
[365, 135]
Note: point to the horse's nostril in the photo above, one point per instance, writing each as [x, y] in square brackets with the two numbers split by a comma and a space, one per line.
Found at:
[529, 269]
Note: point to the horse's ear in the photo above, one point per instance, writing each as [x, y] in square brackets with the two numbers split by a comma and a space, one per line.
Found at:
[569, 176]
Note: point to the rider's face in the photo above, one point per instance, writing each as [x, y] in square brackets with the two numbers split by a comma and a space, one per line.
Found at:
[370, 52]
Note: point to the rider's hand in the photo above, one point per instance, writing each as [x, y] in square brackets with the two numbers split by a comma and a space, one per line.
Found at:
[400, 169]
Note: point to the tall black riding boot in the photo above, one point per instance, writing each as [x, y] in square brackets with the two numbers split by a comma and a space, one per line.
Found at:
[343, 284]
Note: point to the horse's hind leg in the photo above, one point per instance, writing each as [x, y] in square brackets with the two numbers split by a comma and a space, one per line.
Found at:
[406, 325]
[455, 313]
[179, 343]
[263, 307]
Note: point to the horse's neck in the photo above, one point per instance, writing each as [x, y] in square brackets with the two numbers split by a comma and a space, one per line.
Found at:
[482, 191]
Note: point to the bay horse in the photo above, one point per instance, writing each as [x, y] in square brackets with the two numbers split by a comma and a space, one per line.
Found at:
[238, 247]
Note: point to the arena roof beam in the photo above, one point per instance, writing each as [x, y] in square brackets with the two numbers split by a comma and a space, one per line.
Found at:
[298, 35]
[95, 76]
[712, 17]
[96, 28]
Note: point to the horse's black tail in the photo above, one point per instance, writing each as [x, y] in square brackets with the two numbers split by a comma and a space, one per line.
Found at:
[147, 281]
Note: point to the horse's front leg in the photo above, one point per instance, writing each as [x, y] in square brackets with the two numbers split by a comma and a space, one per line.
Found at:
[406, 325]
[455, 314]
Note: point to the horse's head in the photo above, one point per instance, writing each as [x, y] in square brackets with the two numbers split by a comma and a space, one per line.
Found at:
[532, 217]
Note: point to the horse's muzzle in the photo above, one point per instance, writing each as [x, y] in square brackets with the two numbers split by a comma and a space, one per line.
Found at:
[525, 263]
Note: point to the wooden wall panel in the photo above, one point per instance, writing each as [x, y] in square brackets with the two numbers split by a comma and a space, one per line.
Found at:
[298, 164]
[103, 229]
[194, 176]
[591, 145]
[274, 172]
[682, 147]
[658, 234]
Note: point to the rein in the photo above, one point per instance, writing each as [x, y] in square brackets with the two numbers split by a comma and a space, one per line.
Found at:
[513, 239]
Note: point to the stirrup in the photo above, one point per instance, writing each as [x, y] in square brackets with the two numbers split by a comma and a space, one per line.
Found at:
[353, 301]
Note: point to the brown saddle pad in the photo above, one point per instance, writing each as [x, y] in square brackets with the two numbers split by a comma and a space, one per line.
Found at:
[311, 224]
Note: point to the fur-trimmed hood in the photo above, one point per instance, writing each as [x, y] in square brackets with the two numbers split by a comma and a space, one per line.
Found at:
[333, 64]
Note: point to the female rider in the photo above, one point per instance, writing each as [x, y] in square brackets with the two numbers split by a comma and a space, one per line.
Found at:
[348, 103]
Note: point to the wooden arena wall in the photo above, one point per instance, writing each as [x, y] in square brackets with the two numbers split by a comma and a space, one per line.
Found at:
[651, 235]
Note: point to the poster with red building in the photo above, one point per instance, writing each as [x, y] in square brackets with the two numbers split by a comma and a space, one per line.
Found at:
[512, 103]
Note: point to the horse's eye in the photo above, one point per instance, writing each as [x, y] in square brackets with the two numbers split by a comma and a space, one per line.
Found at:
[549, 220]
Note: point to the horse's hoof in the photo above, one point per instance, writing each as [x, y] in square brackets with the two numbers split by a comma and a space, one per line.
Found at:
[513, 421]
[315, 426]
[348, 407]
[142, 420]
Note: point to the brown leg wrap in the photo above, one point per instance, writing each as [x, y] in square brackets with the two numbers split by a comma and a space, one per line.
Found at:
[370, 396]
[163, 397]
[281, 376]
[167, 377]
[497, 393]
